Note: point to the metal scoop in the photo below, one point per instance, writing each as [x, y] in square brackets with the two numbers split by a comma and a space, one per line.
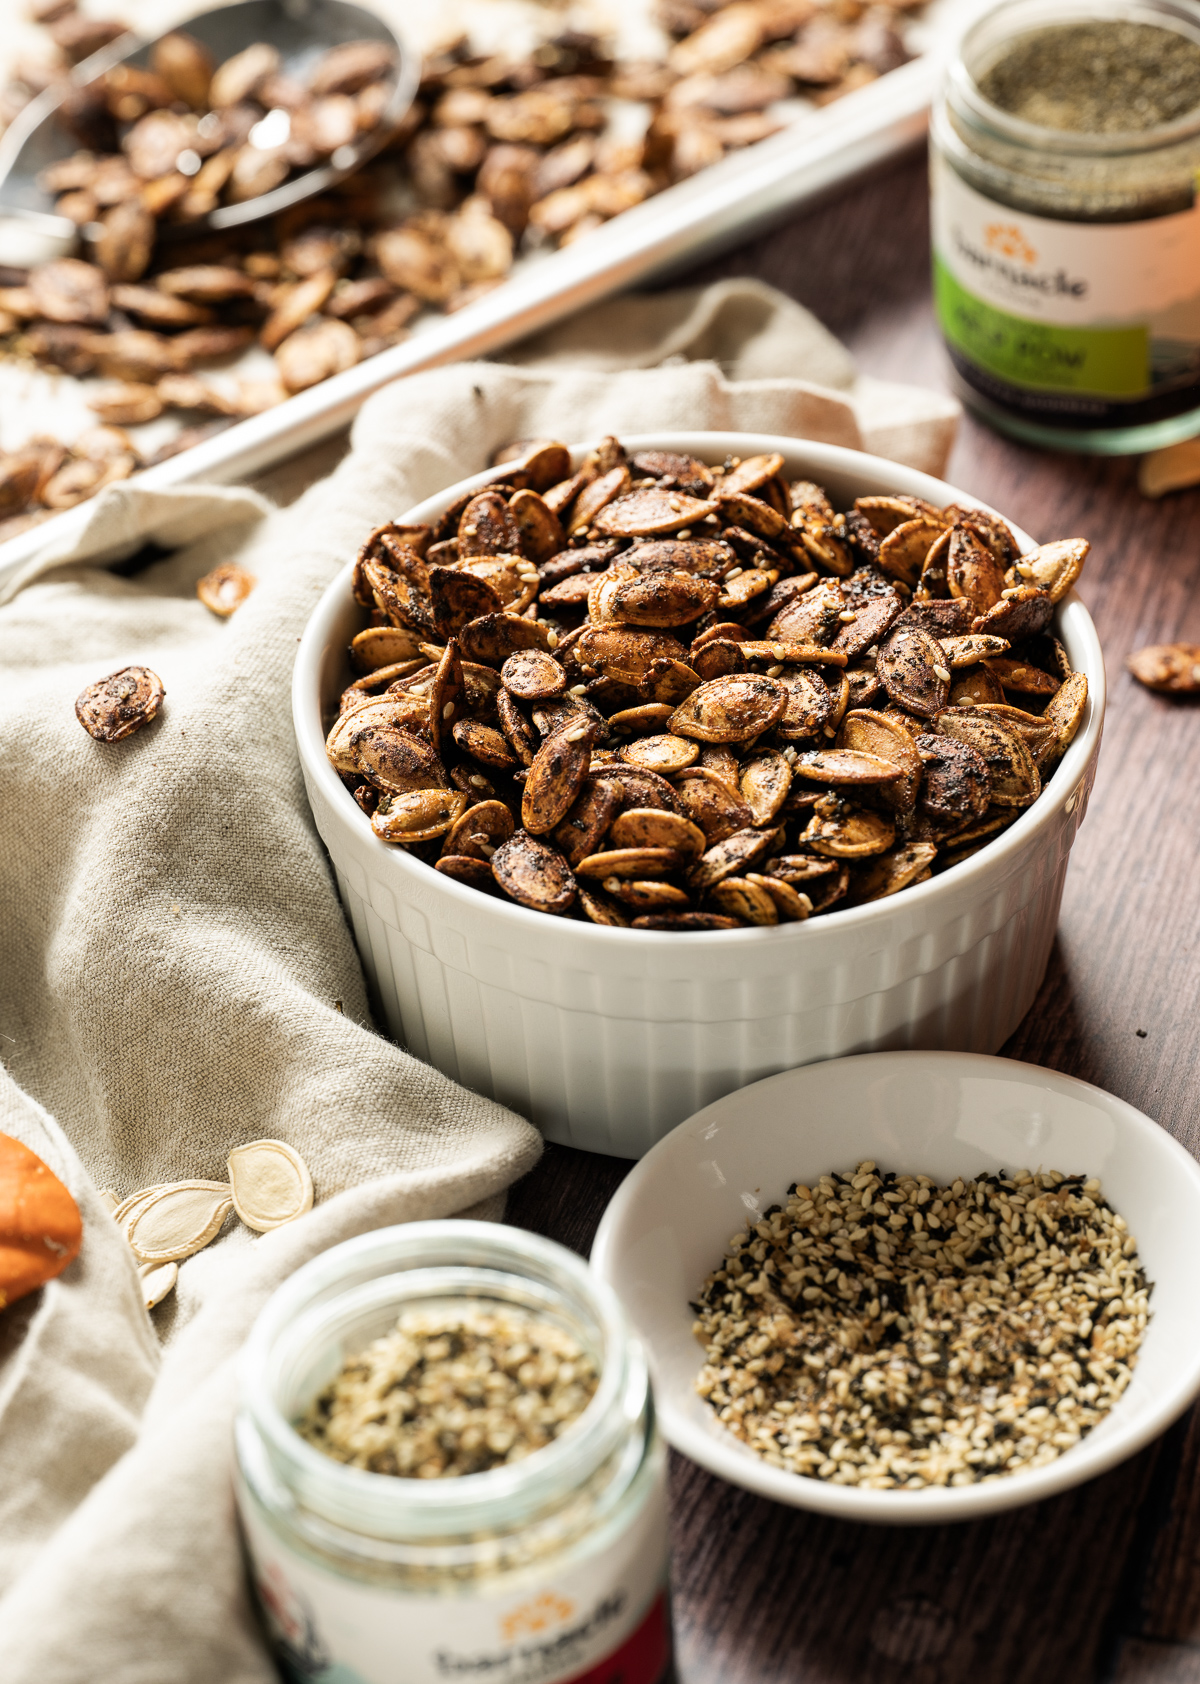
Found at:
[300, 30]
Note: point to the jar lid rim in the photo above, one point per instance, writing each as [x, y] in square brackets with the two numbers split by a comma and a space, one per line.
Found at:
[490, 1252]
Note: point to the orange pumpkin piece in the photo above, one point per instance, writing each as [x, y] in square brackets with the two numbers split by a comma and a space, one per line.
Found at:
[40, 1229]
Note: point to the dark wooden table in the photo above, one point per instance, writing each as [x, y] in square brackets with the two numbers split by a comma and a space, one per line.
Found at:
[1104, 1583]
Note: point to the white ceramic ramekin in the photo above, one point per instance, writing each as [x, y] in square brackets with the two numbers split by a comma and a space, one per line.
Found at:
[607, 1038]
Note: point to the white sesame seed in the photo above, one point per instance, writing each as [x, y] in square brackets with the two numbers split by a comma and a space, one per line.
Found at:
[996, 1271]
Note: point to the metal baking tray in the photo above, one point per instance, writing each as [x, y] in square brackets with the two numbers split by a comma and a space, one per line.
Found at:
[716, 209]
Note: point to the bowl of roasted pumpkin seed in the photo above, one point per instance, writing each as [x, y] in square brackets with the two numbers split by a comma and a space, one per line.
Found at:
[912, 1287]
[652, 766]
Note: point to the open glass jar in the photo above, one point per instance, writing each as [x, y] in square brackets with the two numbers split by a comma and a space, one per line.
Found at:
[541, 1571]
[1066, 230]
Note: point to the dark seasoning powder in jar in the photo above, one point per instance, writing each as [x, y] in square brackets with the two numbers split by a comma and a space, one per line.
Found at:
[1066, 157]
[1105, 77]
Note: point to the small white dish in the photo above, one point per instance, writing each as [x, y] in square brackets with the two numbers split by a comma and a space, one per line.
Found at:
[939, 1114]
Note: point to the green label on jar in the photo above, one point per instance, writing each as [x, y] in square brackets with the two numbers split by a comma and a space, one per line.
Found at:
[1109, 361]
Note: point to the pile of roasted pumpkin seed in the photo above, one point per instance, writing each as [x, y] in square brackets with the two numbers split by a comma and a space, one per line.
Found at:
[501, 152]
[658, 693]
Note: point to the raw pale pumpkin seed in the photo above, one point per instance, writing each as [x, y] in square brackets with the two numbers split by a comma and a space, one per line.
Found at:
[167, 1224]
[158, 1281]
[270, 1184]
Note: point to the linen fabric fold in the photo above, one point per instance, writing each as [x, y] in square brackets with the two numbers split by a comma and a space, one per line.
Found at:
[178, 976]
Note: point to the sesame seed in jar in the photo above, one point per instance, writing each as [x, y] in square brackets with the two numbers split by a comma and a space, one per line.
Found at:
[451, 1391]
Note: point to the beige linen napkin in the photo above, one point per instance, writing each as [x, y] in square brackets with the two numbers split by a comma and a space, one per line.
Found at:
[178, 976]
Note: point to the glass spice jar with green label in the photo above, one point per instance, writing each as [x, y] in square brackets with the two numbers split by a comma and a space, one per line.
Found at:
[1065, 166]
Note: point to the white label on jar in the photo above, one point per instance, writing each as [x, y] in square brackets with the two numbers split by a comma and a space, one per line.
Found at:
[600, 1620]
[1115, 306]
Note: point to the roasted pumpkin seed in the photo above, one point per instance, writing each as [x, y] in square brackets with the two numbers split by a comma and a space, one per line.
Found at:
[972, 571]
[846, 766]
[631, 863]
[732, 854]
[392, 757]
[1054, 567]
[650, 827]
[661, 599]
[734, 709]
[886, 513]
[1064, 711]
[738, 897]
[911, 670]
[1023, 611]
[792, 906]
[809, 707]
[796, 690]
[533, 675]
[1011, 772]
[1038, 735]
[587, 823]
[556, 777]
[1020, 676]
[465, 868]
[491, 639]
[876, 735]
[649, 513]
[382, 646]
[764, 783]
[849, 834]
[1173, 669]
[682, 922]
[597, 496]
[121, 704]
[623, 652]
[903, 551]
[653, 895]
[956, 783]
[480, 830]
[534, 874]
[966, 651]
[898, 868]
[457, 596]
[874, 617]
[717, 658]
[224, 590]
[665, 754]
[417, 815]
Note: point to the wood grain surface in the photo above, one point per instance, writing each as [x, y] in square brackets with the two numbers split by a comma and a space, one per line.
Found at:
[1103, 1583]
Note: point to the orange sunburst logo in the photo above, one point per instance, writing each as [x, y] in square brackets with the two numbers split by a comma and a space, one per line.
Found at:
[536, 1615]
[1007, 239]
